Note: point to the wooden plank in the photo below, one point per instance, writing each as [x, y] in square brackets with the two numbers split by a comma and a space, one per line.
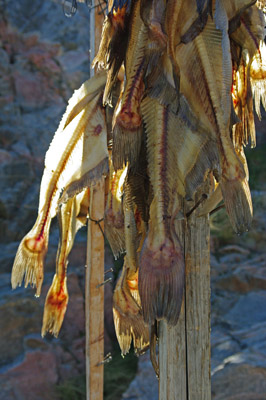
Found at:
[172, 350]
[197, 250]
[94, 296]
[184, 351]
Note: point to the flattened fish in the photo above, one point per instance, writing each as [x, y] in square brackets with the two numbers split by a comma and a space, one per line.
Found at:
[206, 71]
[77, 157]
[161, 276]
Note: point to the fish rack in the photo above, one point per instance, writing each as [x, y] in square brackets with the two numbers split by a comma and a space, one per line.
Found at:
[184, 350]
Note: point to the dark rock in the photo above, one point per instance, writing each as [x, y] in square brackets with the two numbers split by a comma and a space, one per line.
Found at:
[237, 382]
[249, 310]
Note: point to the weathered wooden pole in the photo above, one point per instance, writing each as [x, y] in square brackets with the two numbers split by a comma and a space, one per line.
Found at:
[184, 350]
[94, 296]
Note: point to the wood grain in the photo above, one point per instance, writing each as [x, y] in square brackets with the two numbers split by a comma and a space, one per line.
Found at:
[184, 350]
[94, 296]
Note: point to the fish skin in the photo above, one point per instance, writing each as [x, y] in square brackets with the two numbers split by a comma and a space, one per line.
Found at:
[153, 14]
[235, 8]
[127, 312]
[62, 167]
[127, 124]
[57, 296]
[250, 32]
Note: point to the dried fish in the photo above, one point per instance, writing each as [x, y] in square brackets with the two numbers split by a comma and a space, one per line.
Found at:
[77, 156]
[127, 123]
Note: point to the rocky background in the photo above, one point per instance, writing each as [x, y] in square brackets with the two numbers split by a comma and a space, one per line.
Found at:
[44, 56]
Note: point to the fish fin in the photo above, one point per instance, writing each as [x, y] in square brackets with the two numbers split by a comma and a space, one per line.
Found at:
[115, 237]
[160, 89]
[29, 260]
[161, 280]
[126, 146]
[238, 203]
[55, 307]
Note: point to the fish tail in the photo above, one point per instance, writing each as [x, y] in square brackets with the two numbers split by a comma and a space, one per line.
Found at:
[238, 203]
[126, 146]
[29, 260]
[55, 306]
[128, 318]
[161, 280]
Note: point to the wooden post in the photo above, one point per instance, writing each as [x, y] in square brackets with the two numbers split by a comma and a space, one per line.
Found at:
[184, 350]
[94, 296]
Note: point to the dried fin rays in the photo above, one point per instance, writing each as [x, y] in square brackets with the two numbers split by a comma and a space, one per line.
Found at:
[187, 72]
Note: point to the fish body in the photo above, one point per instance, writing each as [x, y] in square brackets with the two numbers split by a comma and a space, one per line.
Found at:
[76, 158]
[206, 81]
[161, 276]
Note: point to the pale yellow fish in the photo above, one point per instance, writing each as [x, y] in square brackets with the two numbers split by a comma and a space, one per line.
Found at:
[76, 158]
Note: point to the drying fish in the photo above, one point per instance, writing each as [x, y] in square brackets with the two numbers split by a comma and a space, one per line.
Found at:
[161, 276]
[77, 157]
[113, 46]
[127, 124]
[127, 312]
[71, 218]
[206, 80]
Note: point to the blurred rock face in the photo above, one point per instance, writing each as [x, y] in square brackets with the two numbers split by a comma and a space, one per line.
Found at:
[44, 56]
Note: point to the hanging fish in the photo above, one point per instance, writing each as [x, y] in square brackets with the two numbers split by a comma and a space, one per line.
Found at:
[161, 276]
[114, 39]
[206, 71]
[127, 124]
[76, 158]
[70, 221]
